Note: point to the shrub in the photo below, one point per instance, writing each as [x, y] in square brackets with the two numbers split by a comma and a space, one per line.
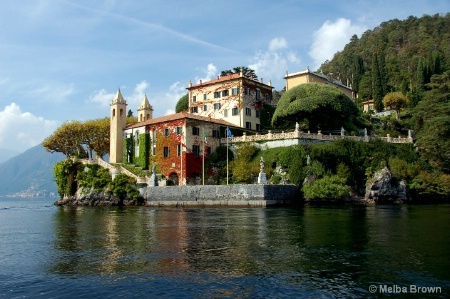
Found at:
[123, 187]
[328, 187]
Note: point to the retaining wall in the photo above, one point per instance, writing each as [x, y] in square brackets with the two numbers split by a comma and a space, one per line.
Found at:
[221, 195]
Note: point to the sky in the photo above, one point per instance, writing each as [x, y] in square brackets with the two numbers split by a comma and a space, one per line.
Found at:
[64, 60]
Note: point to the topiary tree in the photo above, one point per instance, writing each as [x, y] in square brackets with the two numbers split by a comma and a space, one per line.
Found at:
[182, 104]
[315, 106]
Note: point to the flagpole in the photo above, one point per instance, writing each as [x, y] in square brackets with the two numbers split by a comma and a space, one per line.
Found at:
[227, 152]
[203, 160]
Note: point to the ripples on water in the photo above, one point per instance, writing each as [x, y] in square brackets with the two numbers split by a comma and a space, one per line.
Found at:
[311, 252]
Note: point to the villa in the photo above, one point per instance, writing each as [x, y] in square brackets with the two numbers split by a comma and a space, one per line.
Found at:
[178, 144]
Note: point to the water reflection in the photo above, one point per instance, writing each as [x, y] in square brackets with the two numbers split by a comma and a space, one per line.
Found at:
[335, 249]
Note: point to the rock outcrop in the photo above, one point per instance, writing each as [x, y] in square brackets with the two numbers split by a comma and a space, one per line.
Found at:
[382, 188]
[91, 198]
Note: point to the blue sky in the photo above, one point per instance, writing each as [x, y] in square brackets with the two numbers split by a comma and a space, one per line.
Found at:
[63, 60]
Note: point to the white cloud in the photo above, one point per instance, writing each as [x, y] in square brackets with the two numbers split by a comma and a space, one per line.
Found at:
[22, 130]
[135, 99]
[330, 38]
[210, 72]
[272, 63]
[171, 97]
[278, 43]
[102, 97]
[55, 93]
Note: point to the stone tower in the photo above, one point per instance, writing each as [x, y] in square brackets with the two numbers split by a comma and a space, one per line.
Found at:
[145, 110]
[118, 123]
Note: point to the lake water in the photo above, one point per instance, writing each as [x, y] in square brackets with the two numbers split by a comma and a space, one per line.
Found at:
[310, 252]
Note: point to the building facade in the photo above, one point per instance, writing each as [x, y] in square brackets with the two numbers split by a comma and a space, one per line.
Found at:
[177, 144]
[232, 98]
[307, 76]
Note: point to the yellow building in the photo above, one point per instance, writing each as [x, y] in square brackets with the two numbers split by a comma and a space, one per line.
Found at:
[307, 76]
[368, 106]
[233, 98]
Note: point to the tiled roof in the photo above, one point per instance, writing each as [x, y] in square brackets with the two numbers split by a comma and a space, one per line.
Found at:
[178, 116]
[224, 79]
[219, 79]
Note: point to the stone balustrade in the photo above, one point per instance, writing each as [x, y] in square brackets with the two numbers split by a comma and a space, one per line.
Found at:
[296, 134]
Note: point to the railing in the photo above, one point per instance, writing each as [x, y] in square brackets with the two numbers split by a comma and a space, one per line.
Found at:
[113, 169]
[297, 134]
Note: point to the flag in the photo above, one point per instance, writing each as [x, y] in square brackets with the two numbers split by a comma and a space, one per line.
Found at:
[229, 132]
[204, 136]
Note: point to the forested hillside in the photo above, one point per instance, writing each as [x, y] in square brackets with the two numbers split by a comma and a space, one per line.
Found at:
[398, 55]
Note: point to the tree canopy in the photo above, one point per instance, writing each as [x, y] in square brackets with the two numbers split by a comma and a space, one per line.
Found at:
[182, 104]
[395, 101]
[247, 72]
[76, 138]
[431, 120]
[397, 55]
[315, 106]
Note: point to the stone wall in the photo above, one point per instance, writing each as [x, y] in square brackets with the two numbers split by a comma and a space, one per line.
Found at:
[221, 195]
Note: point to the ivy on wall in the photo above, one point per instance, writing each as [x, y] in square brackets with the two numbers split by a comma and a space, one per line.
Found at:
[144, 151]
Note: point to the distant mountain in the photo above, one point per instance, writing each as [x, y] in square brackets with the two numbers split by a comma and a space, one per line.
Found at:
[29, 174]
[6, 154]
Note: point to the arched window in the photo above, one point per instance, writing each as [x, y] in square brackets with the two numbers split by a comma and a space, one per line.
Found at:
[114, 112]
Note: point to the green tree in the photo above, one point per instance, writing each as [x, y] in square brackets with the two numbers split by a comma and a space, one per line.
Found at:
[243, 168]
[377, 85]
[315, 106]
[182, 104]
[431, 120]
[247, 72]
[395, 101]
[328, 187]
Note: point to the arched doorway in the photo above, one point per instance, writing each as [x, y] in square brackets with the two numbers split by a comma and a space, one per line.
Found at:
[173, 177]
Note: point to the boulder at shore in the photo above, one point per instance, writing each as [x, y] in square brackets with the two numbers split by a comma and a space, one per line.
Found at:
[382, 188]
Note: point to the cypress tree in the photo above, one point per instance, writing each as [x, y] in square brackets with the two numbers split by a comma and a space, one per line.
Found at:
[377, 87]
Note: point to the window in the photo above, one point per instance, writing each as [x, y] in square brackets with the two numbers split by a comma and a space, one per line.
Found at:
[258, 94]
[234, 111]
[194, 98]
[215, 134]
[194, 109]
[166, 132]
[166, 152]
[235, 91]
[257, 113]
[204, 97]
[196, 131]
[179, 150]
[248, 111]
[258, 127]
[225, 93]
[205, 107]
[216, 106]
[267, 97]
[196, 150]
[179, 130]
[248, 125]
[246, 90]
[136, 137]
[217, 94]
[208, 150]
[225, 112]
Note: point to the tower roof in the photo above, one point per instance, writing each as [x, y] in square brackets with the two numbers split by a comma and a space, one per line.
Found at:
[145, 105]
[118, 98]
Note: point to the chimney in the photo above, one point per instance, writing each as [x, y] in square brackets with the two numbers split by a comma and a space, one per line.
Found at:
[262, 80]
[200, 82]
